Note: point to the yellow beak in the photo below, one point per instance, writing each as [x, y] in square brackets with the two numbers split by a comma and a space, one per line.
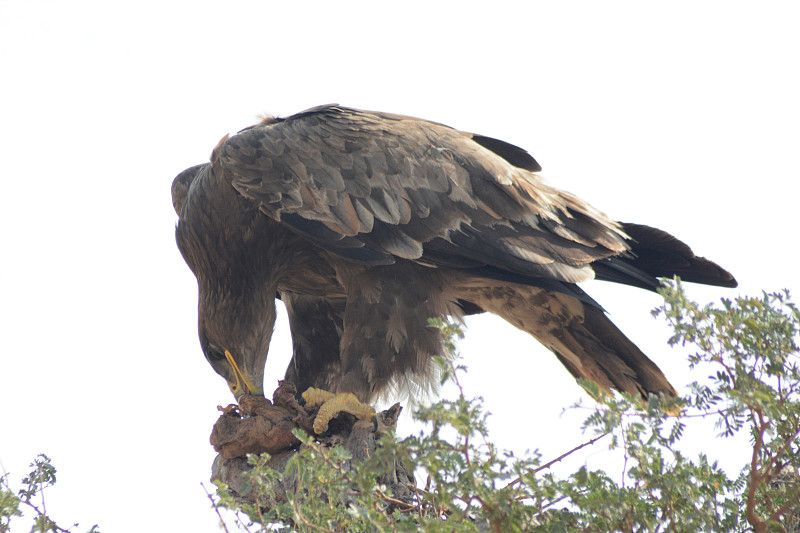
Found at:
[243, 385]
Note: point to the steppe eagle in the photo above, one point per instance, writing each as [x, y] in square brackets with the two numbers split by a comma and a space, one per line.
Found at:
[367, 224]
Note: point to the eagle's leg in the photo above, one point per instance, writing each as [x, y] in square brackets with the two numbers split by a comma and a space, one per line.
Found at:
[316, 324]
[385, 336]
[330, 405]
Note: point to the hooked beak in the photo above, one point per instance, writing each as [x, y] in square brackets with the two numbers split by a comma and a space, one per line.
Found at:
[244, 384]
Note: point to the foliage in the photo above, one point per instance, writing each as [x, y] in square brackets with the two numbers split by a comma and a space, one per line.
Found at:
[750, 348]
[31, 496]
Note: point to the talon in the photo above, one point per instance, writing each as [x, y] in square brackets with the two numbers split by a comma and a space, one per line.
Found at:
[315, 397]
[330, 405]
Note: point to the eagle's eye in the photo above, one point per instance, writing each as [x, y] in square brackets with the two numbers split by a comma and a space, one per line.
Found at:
[214, 354]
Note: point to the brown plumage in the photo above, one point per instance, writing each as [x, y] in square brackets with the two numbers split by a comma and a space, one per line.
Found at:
[366, 224]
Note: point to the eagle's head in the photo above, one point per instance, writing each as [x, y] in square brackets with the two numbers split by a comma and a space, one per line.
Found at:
[235, 332]
[236, 304]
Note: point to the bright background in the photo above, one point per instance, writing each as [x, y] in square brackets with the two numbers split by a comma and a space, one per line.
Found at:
[680, 115]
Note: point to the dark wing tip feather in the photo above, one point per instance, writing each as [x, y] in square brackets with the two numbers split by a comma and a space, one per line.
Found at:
[660, 255]
[515, 155]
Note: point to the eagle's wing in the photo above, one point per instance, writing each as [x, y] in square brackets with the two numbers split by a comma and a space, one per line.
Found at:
[372, 187]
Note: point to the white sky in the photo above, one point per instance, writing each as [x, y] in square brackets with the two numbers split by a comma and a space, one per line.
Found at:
[684, 116]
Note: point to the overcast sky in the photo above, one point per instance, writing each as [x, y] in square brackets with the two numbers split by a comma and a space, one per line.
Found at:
[680, 115]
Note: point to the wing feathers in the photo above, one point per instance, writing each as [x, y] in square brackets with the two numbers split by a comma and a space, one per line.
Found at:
[346, 215]
[394, 183]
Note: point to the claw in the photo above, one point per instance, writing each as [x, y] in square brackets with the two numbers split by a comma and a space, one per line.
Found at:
[330, 405]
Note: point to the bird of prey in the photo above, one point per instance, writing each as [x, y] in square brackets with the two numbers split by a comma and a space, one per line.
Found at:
[367, 224]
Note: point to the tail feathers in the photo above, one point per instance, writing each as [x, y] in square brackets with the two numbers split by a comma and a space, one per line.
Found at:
[583, 338]
[657, 254]
[628, 369]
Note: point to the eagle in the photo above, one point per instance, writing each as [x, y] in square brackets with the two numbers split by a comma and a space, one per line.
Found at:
[367, 224]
